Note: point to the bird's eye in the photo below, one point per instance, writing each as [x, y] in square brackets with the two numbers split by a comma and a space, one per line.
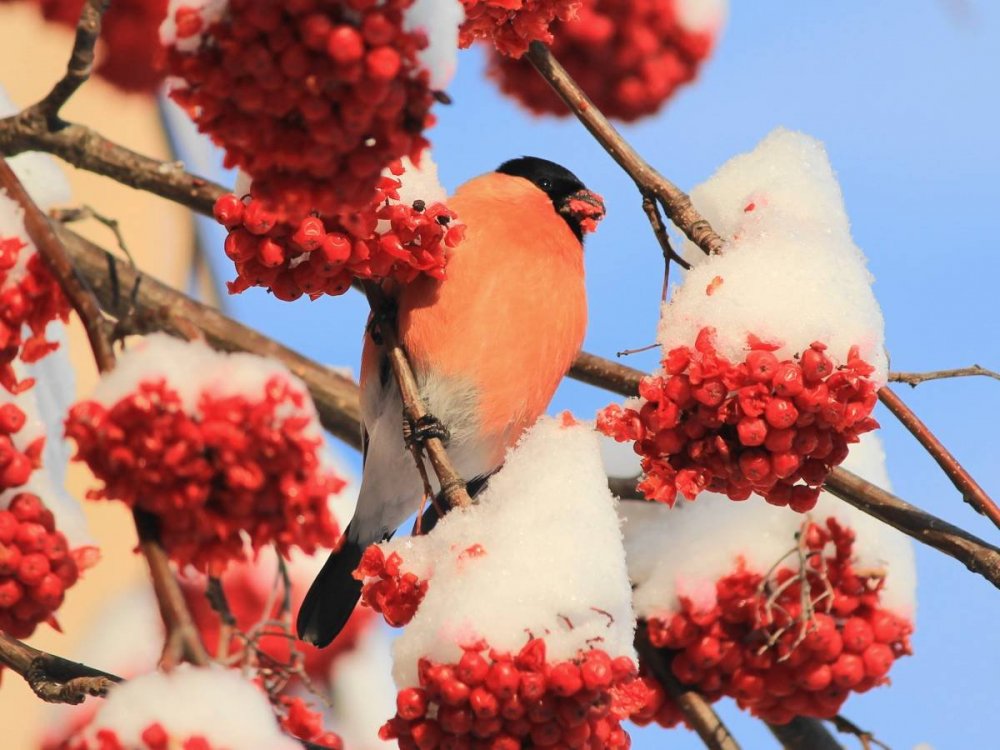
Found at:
[545, 184]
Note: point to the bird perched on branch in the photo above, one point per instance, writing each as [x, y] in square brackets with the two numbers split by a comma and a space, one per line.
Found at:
[488, 346]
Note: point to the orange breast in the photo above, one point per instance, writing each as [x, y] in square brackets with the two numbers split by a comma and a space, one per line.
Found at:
[512, 313]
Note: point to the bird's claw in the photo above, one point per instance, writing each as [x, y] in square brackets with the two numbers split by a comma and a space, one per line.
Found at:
[419, 431]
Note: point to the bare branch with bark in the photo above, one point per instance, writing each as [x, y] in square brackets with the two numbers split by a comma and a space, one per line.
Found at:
[52, 678]
[913, 379]
[971, 491]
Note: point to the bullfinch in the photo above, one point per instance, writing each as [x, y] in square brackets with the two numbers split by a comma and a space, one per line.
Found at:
[488, 346]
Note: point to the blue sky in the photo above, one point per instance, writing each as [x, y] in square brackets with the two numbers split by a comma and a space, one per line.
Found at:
[904, 94]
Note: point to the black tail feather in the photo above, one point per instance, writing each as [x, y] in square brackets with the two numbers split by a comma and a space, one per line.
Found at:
[334, 594]
[332, 597]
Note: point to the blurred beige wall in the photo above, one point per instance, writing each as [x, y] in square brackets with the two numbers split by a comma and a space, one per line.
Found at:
[33, 56]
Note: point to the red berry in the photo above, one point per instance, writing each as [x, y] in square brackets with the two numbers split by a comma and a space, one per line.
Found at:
[411, 703]
[848, 670]
[761, 366]
[345, 45]
[857, 634]
[878, 658]
[752, 431]
[788, 381]
[780, 413]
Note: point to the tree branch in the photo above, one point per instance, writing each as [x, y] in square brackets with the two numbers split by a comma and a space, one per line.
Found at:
[697, 711]
[182, 637]
[159, 307]
[52, 678]
[155, 306]
[975, 554]
[675, 201]
[414, 410]
[913, 379]
[972, 493]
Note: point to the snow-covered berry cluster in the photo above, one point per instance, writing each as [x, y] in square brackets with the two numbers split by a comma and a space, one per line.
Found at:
[323, 252]
[389, 589]
[510, 26]
[773, 349]
[629, 57]
[503, 701]
[30, 299]
[775, 428]
[187, 709]
[222, 449]
[758, 646]
[786, 615]
[465, 675]
[313, 99]
[36, 565]
[130, 56]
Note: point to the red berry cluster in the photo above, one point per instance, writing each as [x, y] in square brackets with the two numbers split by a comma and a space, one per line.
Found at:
[29, 298]
[313, 98]
[131, 54]
[153, 737]
[16, 465]
[772, 427]
[511, 25]
[628, 56]
[322, 254]
[248, 601]
[757, 645]
[506, 702]
[238, 468]
[387, 589]
[36, 566]
[304, 724]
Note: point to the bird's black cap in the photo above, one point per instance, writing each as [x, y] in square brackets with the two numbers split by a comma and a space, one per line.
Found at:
[553, 179]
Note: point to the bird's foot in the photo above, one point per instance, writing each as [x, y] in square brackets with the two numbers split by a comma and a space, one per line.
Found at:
[419, 431]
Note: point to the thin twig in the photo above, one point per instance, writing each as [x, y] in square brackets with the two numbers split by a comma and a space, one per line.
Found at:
[70, 215]
[414, 410]
[675, 202]
[697, 711]
[913, 379]
[652, 210]
[52, 678]
[972, 493]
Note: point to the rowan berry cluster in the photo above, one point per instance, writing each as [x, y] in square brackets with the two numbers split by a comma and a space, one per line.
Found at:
[239, 468]
[305, 724]
[775, 428]
[153, 737]
[131, 54]
[512, 26]
[36, 565]
[313, 98]
[321, 254]
[30, 298]
[507, 701]
[16, 465]
[248, 593]
[387, 589]
[758, 646]
[628, 56]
